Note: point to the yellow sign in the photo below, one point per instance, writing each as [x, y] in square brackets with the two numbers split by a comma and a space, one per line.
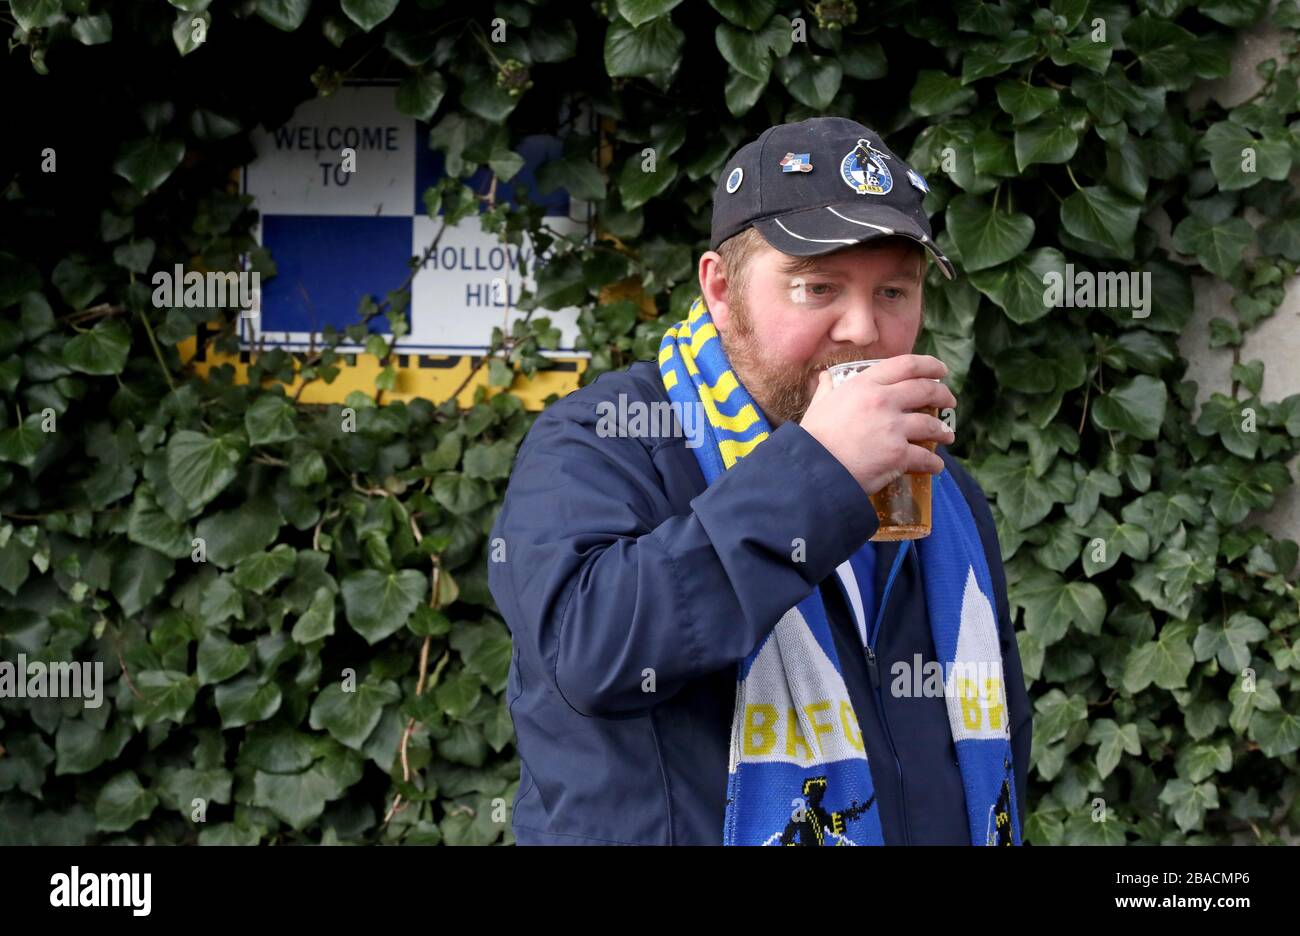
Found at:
[433, 377]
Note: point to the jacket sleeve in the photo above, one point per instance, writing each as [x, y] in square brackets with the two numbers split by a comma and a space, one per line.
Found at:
[621, 600]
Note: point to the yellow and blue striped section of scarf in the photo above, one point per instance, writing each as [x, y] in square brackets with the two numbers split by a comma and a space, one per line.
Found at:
[694, 366]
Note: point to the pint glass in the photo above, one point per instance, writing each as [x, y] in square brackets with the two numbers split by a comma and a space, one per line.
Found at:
[903, 505]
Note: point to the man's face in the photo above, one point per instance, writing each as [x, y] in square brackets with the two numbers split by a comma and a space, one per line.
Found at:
[858, 303]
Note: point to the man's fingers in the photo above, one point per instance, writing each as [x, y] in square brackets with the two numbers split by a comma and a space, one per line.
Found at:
[919, 394]
[907, 367]
[921, 460]
[922, 427]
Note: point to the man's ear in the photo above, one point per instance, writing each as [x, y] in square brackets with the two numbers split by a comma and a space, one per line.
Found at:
[713, 287]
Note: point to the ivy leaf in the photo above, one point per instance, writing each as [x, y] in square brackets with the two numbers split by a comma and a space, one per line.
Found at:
[1136, 407]
[148, 163]
[220, 658]
[459, 494]
[1189, 801]
[1024, 101]
[200, 466]
[1052, 605]
[418, 96]
[1229, 144]
[368, 13]
[1083, 51]
[1017, 287]
[270, 419]
[123, 802]
[483, 97]
[36, 14]
[177, 788]
[458, 695]
[490, 462]
[244, 702]
[986, 237]
[168, 695]
[812, 80]
[149, 525]
[1052, 138]
[748, 14]
[1116, 539]
[1091, 487]
[134, 256]
[261, 570]
[1112, 741]
[937, 93]
[241, 531]
[1057, 714]
[76, 281]
[138, 576]
[1277, 733]
[317, 621]
[23, 442]
[632, 51]
[1202, 761]
[577, 176]
[1166, 661]
[1218, 246]
[378, 604]
[25, 764]
[350, 717]
[286, 15]
[80, 746]
[742, 93]
[1023, 497]
[744, 51]
[637, 186]
[1230, 642]
[93, 30]
[300, 798]
[1098, 216]
[638, 12]
[102, 350]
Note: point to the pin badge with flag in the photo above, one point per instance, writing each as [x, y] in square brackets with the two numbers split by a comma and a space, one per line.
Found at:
[796, 162]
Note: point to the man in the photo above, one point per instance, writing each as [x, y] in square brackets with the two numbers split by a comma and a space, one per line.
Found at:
[708, 648]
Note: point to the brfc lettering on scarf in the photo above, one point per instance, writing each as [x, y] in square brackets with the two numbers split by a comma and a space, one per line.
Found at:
[771, 731]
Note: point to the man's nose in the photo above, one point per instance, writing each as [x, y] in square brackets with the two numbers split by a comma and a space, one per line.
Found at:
[857, 324]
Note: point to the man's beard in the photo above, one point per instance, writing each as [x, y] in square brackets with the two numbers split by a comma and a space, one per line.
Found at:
[782, 392]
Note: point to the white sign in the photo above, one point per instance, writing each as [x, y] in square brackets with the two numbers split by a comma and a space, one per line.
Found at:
[340, 190]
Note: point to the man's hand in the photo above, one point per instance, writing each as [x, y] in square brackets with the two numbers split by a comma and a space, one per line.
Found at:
[866, 421]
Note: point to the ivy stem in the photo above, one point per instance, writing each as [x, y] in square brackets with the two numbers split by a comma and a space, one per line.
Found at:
[157, 351]
[1072, 178]
[1087, 389]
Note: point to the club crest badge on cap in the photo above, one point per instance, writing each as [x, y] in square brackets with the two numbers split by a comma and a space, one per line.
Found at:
[796, 162]
[863, 170]
[733, 180]
[918, 180]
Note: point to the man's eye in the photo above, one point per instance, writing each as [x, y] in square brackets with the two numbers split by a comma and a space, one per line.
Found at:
[813, 288]
[892, 289]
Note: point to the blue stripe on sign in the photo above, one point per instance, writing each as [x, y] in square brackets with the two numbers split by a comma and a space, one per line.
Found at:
[535, 149]
[326, 264]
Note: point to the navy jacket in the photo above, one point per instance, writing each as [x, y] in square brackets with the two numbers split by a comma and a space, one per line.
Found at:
[606, 539]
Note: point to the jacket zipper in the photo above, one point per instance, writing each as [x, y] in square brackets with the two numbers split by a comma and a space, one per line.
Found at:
[874, 673]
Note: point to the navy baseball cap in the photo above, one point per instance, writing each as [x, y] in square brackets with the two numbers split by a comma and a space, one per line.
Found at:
[818, 185]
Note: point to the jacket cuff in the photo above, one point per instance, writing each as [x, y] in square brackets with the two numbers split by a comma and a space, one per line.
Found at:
[802, 487]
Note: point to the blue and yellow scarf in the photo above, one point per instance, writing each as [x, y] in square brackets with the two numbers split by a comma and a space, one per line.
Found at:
[798, 771]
